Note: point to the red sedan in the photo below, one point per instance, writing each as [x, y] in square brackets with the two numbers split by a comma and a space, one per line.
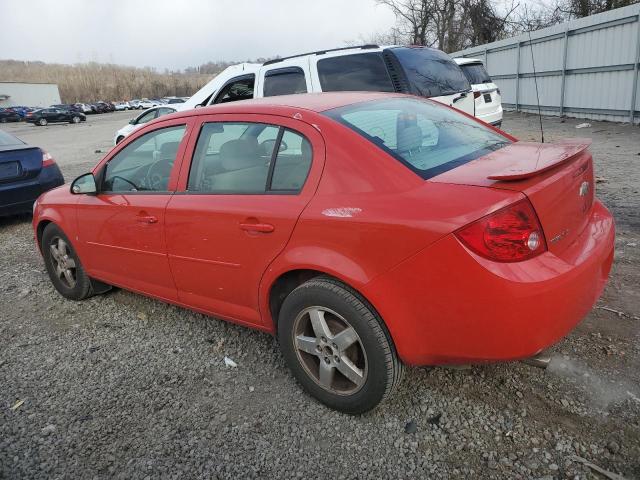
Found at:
[365, 230]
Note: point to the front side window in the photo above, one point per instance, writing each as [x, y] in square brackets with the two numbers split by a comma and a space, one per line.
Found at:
[240, 89]
[426, 137]
[431, 72]
[165, 111]
[475, 73]
[284, 81]
[145, 164]
[359, 72]
[248, 158]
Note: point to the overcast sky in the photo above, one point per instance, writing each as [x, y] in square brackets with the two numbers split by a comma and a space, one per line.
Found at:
[179, 33]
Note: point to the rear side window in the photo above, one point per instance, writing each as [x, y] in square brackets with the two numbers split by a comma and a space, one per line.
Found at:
[359, 72]
[248, 158]
[238, 89]
[431, 72]
[475, 73]
[426, 137]
[284, 81]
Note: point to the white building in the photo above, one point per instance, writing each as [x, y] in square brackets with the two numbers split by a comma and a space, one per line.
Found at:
[28, 94]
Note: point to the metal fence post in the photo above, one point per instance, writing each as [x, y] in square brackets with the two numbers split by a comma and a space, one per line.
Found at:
[518, 80]
[634, 84]
[564, 69]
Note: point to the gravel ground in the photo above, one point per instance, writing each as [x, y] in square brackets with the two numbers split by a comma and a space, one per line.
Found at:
[127, 387]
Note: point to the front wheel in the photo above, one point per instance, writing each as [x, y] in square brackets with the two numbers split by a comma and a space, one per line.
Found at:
[337, 346]
[75, 119]
[63, 265]
[42, 122]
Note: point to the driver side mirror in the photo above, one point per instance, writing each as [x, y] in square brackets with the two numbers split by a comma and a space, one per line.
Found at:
[132, 121]
[84, 184]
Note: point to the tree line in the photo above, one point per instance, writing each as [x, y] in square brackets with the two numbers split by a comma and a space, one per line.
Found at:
[453, 25]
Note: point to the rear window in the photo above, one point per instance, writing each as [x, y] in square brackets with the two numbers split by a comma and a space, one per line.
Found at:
[284, 81]
[8, 140]
[359, 72]
[475, 73]
[426, 137]
[430, 72]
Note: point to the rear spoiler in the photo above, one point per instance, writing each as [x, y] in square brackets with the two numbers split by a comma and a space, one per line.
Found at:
[543, 157]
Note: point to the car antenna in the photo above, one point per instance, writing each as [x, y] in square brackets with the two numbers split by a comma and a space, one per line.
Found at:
[535, 78]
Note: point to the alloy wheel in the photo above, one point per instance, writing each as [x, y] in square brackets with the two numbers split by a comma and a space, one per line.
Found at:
[64, 264]
[330, 350]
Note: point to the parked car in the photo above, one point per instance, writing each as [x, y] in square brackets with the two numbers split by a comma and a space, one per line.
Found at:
[140, 120]
[51, 115]
[486, 94]
[21, 110]
[170, 101]
[67, 106]
[9, 115]
[84, 108]
[135, 104]
[275, 215]
[421, 71]
[121, 106]
[145, 103]
[25, 172]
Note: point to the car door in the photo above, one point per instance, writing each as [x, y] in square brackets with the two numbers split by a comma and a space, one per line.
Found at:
[236, 206]
[121, 228]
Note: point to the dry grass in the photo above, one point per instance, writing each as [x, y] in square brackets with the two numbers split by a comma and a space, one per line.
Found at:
[87, 82]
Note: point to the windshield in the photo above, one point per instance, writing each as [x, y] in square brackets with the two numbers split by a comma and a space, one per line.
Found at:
[431, 73]
[8, 140]
[475, 73]
[428, 138]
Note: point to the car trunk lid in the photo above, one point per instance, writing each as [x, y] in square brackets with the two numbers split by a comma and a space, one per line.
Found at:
[19, 162]
[556, 177]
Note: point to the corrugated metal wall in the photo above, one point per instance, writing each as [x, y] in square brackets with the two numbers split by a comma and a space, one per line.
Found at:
[586, 68]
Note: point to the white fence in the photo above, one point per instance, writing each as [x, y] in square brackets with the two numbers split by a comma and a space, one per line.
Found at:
[586, 68]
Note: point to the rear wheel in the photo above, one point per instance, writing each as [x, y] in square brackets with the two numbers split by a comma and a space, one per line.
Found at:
[3, 120]
[75, 119]
[337, 346]
[42, 122]
[63, 265]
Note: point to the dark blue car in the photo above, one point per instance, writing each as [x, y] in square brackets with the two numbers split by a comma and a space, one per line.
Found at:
[25, 173]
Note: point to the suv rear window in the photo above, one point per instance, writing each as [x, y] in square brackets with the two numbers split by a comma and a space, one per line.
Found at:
[284, 81]
[475, 73]
[426, 137]
[430, 72]
[359, 72]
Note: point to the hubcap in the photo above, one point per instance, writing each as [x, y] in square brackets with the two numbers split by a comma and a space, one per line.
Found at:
[64, 264]
[330, 350]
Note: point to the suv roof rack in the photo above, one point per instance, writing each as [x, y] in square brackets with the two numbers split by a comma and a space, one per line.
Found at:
[320, 52]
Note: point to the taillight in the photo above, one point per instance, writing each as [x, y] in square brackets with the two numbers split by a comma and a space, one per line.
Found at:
[47, 160]
[511, 234]
[476, 94]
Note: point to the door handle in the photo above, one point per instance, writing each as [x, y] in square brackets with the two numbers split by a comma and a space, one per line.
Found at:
[149, 219]
[257, 227]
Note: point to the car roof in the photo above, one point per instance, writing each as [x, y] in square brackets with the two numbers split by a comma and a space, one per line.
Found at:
[316, 102]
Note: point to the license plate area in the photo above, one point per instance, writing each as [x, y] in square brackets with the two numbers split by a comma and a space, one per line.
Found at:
[10, 170]
[487, 98]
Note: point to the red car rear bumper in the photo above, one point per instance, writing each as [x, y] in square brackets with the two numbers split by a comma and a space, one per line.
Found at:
[447, 305]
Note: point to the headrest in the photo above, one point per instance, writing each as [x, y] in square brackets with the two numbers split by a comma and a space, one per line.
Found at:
[240, 153]
[409, 138]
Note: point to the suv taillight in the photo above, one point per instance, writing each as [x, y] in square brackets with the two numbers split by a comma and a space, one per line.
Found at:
[47, 159]
[511, 234]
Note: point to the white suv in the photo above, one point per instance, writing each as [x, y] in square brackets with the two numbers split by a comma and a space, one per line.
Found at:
[422, 71]
[485, 92]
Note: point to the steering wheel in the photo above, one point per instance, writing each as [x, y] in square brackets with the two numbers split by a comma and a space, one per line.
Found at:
[118, 177]
[158, 174]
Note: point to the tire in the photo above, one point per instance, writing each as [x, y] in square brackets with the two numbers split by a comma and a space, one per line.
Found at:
[75, 119]
[42, 122]
[346, 335]
[63, 265]
[3, 120]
